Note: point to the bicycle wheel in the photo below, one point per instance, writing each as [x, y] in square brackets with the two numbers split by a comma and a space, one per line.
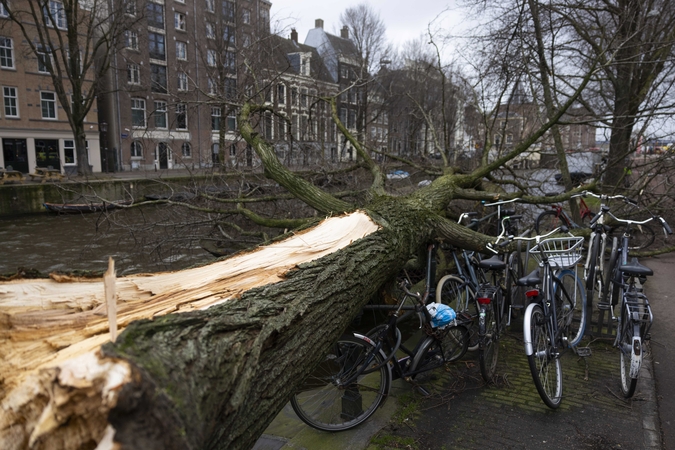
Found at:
[610, 295]
[514, 271]
[571, 304]
[594, 279]
[641, 236]
[627, 354]
[331, 399]
[458, 294]
[548, 221]
[545, 366]
[488, 348]
[454, 342]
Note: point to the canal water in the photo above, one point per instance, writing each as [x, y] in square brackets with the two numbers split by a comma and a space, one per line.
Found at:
[140, 240]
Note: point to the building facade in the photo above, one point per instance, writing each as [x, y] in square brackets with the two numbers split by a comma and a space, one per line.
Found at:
[177, 79]
[34, 128]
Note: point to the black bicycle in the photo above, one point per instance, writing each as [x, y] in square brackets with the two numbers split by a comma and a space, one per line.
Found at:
[355, 376]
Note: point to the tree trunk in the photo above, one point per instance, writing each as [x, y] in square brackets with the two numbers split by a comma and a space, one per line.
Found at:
[205, 378]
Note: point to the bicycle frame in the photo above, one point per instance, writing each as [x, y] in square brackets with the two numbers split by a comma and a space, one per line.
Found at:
[546, 300]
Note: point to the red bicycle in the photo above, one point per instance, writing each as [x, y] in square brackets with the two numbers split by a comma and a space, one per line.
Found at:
[556, 216]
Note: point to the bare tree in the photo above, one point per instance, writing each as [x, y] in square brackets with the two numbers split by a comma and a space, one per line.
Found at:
[74, 42]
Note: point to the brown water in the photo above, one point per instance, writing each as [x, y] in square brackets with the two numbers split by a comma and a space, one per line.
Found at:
[139, 241]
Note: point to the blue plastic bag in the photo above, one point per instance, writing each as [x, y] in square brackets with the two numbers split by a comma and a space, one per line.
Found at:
[441, 315]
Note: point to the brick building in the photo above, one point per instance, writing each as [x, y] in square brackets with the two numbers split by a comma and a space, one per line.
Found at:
[34, 128]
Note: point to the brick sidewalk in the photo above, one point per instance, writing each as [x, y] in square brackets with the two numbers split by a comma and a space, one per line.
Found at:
[464, 413]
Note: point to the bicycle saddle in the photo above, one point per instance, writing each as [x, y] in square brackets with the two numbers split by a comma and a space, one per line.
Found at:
[634, 268]
[532, 279]
[493, 263]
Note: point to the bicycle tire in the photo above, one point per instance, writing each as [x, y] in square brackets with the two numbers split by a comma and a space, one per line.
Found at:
[641, 237]
[323, 403]
[540, 357]
[571, 301]
[610, 295]
[626, 355]
[488, 348]
[514, 272]
[450, 347]
[548, 221]
[458, 294]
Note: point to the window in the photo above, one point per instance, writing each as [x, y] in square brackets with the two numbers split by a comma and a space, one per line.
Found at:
[215, 119]
[210, 30]
[3, 10]
[181, 116]
[231, 123]
[294, 96]
[186, 150]
[233, 150]
[210, 5]
[281, 128]
[264, 18]
[281, 94]
[229, 34]
[160, 115]
[352, 119]
[228, 11]
[138, 113]
[213, 87]
[69, 154]
[156, 45]
[179, 21]
[246, 40]
[130, 7]
[133, 73]
[136, 150]
[6, 53]
[131, 39]
[181, 50]
[44, 59]
[211, 57]
[158, 78]
[48, 105]
[55, 15]
[246, 16]
[182, 81]
[11, 104]
[303, 98]
[155, 14]
[230, 62]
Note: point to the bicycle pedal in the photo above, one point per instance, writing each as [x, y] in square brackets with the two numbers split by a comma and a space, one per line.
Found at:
[604, 306]
[647, 337]
[584, 352]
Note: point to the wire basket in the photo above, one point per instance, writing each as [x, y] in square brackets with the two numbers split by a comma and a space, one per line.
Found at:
[562, 253]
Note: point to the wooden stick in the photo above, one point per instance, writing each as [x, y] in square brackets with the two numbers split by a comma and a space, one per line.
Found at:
[111, 298]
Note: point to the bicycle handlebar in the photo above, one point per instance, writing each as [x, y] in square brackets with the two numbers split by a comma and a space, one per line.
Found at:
[503, 202]
[664, 224]
[604, 197]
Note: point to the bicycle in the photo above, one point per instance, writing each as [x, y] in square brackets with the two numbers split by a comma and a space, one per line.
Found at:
[635, 318]
[550, 321]
[597, 245]
[459, 290]
[355, 376]
[556, 216]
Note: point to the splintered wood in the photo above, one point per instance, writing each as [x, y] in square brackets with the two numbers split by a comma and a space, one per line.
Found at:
[46, 322]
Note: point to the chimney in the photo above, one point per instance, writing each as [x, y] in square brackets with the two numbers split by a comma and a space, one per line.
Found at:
[344, 32]
[294, 35]
[318, 23]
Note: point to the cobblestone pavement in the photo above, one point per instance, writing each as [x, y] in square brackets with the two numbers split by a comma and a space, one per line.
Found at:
[463, 412]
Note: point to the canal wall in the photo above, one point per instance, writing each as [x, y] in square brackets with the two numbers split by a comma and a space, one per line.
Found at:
[28, 197]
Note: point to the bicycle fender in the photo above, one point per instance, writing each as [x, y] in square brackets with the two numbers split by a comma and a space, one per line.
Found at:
[384, 356]
[527, 334]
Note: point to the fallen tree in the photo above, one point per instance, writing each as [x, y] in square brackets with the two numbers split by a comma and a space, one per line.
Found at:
[207, 357]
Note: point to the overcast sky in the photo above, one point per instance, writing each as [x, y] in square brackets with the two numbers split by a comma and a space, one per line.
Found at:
[404, 20]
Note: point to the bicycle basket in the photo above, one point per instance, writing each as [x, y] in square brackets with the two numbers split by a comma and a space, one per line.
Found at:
[562, 253]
